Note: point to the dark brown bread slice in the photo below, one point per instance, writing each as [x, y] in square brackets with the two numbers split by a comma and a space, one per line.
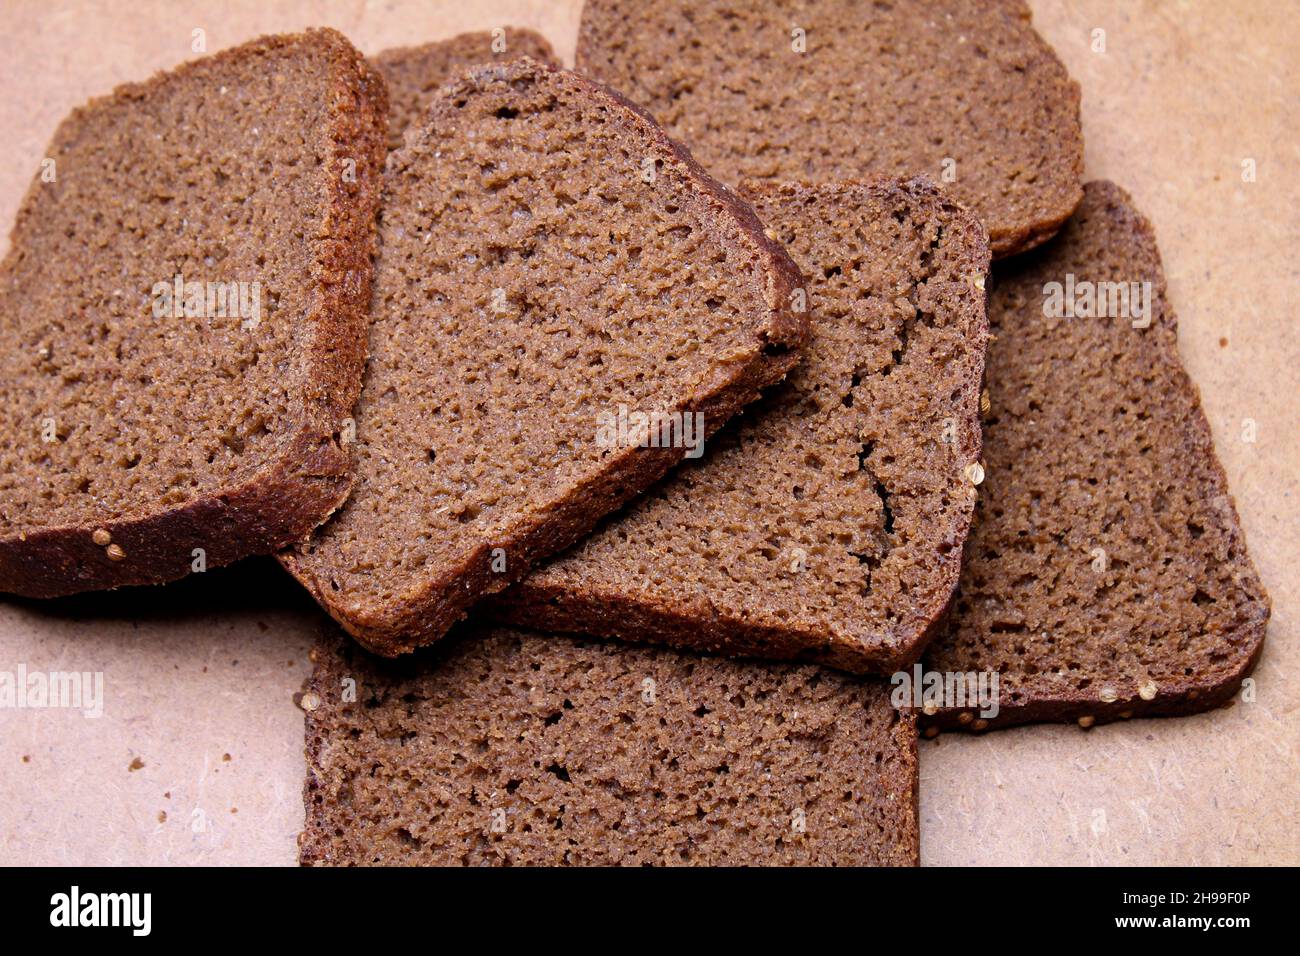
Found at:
[1106, 575]
[505, 747]
[219, 431]
[547, 257]
[827, 523]
[414, 73]
[883, 89]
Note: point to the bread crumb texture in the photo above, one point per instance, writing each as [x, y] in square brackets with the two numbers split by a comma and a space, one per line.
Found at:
[962, 91]
[503, 747]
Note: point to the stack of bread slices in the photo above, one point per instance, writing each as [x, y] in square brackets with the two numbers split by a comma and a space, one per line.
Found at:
[659, 434]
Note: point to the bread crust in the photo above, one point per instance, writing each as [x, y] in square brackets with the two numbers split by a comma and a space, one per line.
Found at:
[431, 605]
[311, 477]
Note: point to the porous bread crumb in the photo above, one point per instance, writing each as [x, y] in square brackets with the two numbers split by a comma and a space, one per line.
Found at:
[878, 89]
[506, 747]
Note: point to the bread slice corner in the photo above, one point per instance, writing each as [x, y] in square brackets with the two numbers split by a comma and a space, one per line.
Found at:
[414, 73]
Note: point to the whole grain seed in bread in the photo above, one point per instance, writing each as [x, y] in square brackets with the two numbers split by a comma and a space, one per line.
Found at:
[414, 73]
[184, 307]
[962, 91]
[504, 747]
[1106, 576]
[551, 267]
[827, 522]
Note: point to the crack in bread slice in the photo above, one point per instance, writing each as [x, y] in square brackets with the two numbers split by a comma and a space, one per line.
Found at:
[964, 92]
[501, 747]
[827, 522]
[415, 73]
[184, 306]
[1107, 574]
[549, 263]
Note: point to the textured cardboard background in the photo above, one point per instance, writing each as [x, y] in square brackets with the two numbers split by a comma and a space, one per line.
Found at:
[199, 677]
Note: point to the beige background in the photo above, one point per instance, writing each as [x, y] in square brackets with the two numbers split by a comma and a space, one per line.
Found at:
[200, 676]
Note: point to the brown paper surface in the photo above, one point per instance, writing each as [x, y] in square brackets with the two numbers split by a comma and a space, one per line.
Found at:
[197, 757]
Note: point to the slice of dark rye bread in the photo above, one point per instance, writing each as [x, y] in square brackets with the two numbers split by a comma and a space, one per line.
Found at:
[143, 438]
[507, 747]
[1106, 575]
[414, 73]
[547, 258]
[827, 522]
[962, 91]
